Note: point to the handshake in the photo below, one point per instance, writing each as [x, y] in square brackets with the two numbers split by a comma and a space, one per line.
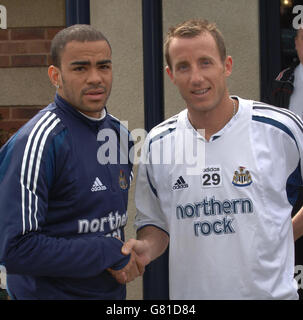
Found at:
[138, 250]
[151, 243]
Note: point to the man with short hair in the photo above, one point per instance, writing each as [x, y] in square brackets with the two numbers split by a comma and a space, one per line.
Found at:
[63, 208]
[286, 91]
[224, 210]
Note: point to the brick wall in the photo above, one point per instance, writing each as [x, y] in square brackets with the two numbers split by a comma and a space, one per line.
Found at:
[26, 47]
[23, 47]
[13, 117]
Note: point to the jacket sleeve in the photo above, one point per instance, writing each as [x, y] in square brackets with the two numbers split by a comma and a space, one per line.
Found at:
[281, 88]
[293, 149]
[280, 93]
[24, 190]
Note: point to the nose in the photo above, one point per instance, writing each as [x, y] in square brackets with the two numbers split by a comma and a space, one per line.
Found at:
[94, 76]
[196, 75]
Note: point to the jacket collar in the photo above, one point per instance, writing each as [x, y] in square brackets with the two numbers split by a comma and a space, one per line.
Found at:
[67, 107]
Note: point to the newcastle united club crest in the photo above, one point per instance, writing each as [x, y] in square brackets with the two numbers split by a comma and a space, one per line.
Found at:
[242, 177]
[122, 180]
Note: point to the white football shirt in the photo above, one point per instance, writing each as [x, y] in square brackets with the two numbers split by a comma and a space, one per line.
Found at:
[226, 204]
[296, 98]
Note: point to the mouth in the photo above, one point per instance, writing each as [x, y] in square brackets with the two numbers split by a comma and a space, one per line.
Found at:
[200, 92]
[95, 94]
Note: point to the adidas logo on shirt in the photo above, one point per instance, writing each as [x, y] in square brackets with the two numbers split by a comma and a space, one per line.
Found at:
[98, 186]
[180, 184]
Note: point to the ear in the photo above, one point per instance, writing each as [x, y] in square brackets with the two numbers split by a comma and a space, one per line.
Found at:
[54, 75]
[170, 73]
[228, 66]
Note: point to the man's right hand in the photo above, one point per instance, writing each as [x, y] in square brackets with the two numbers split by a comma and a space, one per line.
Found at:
[141, 248]
[131, 271]
[151, 243]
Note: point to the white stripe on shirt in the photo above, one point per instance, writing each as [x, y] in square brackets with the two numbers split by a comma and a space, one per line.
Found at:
[28, 161]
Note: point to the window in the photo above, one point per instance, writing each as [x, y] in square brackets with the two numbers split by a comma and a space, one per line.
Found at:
[288, 51]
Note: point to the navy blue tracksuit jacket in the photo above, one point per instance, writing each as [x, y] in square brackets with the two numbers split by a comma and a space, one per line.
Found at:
[64, 183]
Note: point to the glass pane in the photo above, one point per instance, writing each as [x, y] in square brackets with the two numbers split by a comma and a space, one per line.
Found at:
[288, 51]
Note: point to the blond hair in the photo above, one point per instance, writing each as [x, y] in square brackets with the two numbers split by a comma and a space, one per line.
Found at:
[190, 29]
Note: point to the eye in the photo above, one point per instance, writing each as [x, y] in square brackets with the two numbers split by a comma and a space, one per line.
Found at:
[79, 68]
[182, 67]
[205, 62]
[105, 67]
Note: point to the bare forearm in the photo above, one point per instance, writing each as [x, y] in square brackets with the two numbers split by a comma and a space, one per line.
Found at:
[151, 243]
[155, 239]
[297, 223]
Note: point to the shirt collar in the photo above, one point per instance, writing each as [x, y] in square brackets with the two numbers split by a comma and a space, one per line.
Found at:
[230, 123]
[103, 115]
